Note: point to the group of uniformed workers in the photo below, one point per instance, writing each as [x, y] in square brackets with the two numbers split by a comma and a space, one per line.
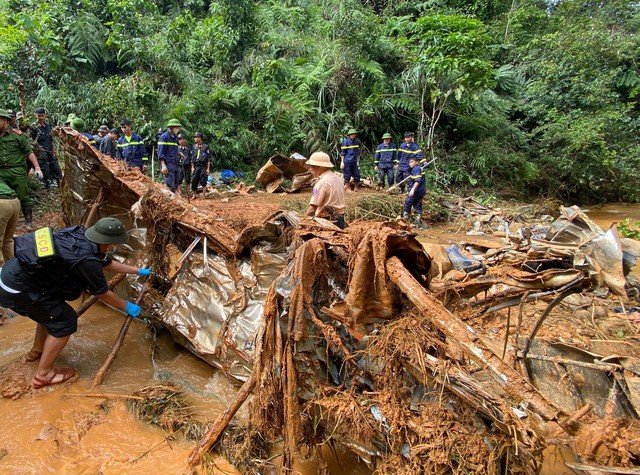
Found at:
[178, 162]
[406, 161]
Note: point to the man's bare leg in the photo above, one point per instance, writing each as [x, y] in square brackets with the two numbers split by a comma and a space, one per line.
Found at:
[41, 336]
[52, 348]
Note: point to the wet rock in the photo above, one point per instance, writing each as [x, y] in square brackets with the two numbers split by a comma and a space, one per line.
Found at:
[576, 301]
[582, 314]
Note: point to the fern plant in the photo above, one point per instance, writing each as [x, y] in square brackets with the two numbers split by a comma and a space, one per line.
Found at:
[86, 38]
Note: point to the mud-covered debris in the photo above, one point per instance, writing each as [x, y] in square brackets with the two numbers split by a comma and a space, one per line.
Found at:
[15, 379]
[165, 405]
[442, 362]
[280, 167]
[246, 449]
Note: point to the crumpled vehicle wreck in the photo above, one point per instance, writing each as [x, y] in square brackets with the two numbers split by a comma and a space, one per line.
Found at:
[361, 338]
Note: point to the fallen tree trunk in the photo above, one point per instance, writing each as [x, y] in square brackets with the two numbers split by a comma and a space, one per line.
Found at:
[468, 341]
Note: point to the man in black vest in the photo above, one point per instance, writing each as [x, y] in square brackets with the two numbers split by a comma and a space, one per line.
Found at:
[50, 268]
[41, 134]
[200, 154]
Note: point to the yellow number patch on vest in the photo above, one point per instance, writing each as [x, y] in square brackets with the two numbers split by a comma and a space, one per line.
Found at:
[44, 242]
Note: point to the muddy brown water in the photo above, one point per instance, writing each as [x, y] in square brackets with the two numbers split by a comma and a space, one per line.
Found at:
[62, 430]
[614, 213]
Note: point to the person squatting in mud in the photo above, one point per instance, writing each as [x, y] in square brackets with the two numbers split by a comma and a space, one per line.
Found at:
[168, 155]
[50, 268]
[327, 199]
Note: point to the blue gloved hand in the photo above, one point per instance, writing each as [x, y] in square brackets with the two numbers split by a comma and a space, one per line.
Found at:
[142, 271]
[132, 309]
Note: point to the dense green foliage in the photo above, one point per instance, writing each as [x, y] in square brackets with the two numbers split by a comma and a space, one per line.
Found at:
[526, 97]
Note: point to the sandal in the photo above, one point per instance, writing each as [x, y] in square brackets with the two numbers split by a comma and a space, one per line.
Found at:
[60, 375]
[33, 355]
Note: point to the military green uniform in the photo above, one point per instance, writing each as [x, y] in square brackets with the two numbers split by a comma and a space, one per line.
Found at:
[9, 214]
[14, 148]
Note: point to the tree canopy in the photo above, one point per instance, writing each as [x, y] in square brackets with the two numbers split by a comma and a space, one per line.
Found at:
[528, 97]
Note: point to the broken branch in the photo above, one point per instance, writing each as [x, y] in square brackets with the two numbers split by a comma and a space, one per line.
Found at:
[84, 306]
[221, 423]
[99, 377]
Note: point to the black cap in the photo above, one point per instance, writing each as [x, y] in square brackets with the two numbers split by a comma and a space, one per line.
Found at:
[41, 110]
[181, 136]
[198, 134]
[408, 134]
[125, 122]
[12, 113]
[115, 131]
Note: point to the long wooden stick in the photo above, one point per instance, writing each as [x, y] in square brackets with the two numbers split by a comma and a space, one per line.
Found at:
[99, 377]
[84, 306]
[465, 338]
[221, 423]
[104, 396]
[213, 434]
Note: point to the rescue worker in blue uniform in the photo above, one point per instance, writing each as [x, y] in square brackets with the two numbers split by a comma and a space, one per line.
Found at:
[50, 268]
[415, 195]
[79, 125]
[168, 154]
[349, 153]
[130, 147]
[200, 156]
[385, 159]
[40, 132]
[407, 150]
